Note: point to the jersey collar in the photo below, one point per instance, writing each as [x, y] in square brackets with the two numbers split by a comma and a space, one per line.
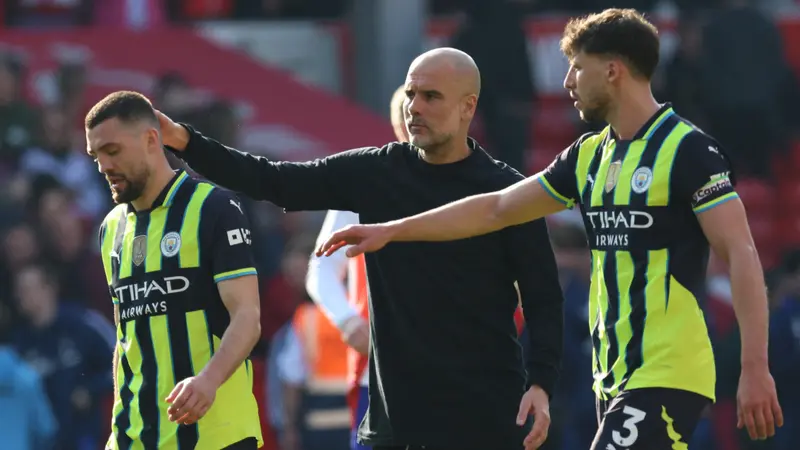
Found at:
[651, 125]
[167, 194]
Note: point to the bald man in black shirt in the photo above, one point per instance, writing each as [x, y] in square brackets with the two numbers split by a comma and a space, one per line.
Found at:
[446, 368]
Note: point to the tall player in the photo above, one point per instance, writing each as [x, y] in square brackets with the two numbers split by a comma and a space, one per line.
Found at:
[180, 272]
[655, 192]
[347, 307]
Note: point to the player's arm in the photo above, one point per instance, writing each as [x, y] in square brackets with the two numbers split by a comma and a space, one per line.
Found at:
[545, 193]
[115, 358]
[329, 183]
[240, 296]
[235, 274]
[325, 276]
[703, 176]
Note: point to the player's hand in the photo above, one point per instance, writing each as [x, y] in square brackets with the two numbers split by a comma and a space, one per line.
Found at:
[191, 399]
[757, 403]
[363, 238]
[355, 333]
[535, 402]
[172, 133]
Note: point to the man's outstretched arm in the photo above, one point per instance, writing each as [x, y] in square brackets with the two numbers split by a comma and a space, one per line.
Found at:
[480, 214]
[330, 183]
[472, 216]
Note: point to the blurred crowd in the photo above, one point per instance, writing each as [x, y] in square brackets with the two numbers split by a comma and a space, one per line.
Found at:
[55, 315]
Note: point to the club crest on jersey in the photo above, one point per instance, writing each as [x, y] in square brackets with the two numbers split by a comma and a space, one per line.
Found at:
[641, 180]
[612, 175]
[139, 249]
[170, 244]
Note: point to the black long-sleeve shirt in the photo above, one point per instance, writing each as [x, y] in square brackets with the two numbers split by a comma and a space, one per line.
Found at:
[445, 365]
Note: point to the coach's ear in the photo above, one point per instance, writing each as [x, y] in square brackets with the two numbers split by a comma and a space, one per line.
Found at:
[468, 107]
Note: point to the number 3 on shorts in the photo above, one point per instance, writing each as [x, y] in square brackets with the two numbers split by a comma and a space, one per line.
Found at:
[636, 416]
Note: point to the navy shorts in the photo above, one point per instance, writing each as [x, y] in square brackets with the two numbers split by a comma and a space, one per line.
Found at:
[648, 419]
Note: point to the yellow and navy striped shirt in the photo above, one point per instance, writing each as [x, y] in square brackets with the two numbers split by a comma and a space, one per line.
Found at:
[162, 266]
[639, 199]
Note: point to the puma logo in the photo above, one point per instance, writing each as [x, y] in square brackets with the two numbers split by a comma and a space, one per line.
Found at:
[237, 206]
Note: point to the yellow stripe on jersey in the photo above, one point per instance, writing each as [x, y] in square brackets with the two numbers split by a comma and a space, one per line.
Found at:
[155, 232]
[658, 194]
[602, 175]
[585, 154]
[109, 233]
[624, 330]
[190, 249]
[165, 381]
[597, 317]
[125, 254]
[235, 274]
[133, 353]
[622, 192]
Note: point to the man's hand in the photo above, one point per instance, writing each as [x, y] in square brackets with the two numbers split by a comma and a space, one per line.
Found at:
[757, 402]
[363, 238]
[535, 402]
[172, 134]
[191, 399]
[355, 333]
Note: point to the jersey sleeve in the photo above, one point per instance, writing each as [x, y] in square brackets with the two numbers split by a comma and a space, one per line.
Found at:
[702, 174]
[558, 179]
[231, 244]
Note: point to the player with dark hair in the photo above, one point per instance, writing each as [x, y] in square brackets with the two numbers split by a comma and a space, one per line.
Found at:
[445, 365]
[654, 192]
[180, 272]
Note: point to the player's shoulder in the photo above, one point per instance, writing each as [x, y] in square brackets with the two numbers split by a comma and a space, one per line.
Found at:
[113, 215]
[219, 200]
[695, 138]
[697, 145]
[591, 139]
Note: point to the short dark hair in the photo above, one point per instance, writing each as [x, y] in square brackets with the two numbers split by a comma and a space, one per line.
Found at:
[126, 106]
[623, 33]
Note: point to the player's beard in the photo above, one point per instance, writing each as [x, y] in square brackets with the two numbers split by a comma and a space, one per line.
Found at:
[130, 188]
[597, 109]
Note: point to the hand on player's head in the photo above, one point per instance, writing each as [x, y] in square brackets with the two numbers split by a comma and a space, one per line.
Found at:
[171, 132]
[362, 238]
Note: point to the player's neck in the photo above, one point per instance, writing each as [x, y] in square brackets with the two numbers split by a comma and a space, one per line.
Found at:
[158, 181]
[453, 151]
[632, 112]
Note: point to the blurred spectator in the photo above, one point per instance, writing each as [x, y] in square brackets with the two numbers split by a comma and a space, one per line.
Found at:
[132, 14]
[746, 80]
[785, 347]
[20, 247]
[575, 400]
[71, 350]
[492, 34]
[49, 13]
[56, 156]
[18, 120]
[26, 418]
[680, 82]
[69, 250]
